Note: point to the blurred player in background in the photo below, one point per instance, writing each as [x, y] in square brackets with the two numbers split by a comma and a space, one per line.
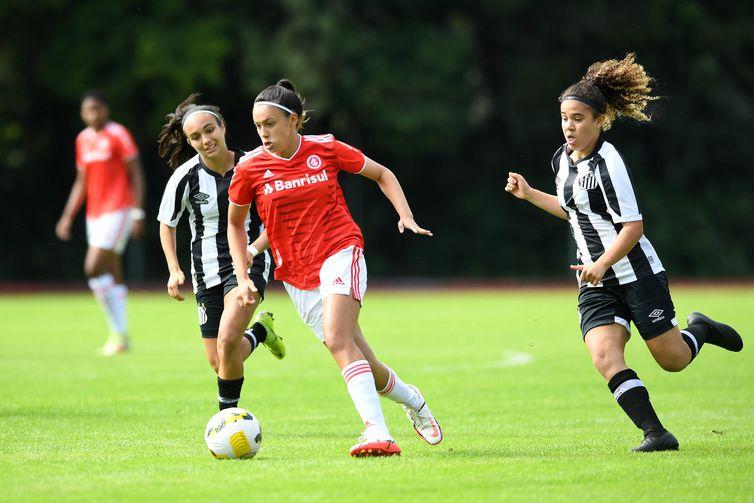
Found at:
[193, 143]
[621, 279]
[319, 251]
[111, 180]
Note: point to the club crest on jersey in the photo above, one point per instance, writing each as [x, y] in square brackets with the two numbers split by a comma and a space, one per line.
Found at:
[201, 198]
[314, 161]
[587, 181]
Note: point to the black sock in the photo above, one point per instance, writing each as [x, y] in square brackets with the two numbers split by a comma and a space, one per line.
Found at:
[633, 398]
[228, 392]
[695, 336]
[256, 335]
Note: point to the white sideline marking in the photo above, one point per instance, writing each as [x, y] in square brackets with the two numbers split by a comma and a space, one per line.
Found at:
[509, 359]
[515, 359]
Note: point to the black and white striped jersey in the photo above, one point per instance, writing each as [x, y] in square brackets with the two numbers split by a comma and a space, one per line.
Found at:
[204, 193]
[598, 196]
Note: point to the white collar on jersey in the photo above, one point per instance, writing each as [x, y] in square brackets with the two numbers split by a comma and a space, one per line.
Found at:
[300, 141]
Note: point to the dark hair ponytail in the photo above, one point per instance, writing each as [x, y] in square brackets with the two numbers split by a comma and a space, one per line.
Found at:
[284, 93]
[171, 143]
[614, 88]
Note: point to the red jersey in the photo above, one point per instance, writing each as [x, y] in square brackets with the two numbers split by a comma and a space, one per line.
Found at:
[301, 204]
[103, 155]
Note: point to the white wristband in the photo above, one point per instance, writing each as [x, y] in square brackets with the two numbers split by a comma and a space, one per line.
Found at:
[137, 214]
[252, 249]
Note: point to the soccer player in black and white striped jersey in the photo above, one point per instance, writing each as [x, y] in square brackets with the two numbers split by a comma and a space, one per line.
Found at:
[193, 142]
[621, 278]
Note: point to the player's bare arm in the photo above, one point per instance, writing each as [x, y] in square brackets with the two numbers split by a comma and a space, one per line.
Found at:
[260, 244]
[519, 187]
[390, 186]
[629, 235]
[72, 206]
[177, 278]
[138, 186]
[237, 245]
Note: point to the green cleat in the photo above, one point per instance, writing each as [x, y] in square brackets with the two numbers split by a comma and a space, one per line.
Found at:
[273, 341]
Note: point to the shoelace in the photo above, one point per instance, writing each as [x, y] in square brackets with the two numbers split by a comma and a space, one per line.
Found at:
[414, 413]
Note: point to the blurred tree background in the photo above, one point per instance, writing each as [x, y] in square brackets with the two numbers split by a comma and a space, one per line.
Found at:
[450, 95]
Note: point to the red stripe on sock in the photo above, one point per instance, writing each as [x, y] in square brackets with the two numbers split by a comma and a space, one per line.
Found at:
[354, 374]
[348, 374]
[349, 370]
[390, 384]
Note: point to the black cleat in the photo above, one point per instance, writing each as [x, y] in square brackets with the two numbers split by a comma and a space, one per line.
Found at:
[720, 334]
[664, 441]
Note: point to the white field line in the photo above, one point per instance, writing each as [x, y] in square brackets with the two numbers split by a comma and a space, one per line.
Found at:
[509, 359]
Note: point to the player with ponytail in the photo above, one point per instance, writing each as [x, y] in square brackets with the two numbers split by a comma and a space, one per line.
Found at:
[621, 279]
[319, 251]
[193, 143]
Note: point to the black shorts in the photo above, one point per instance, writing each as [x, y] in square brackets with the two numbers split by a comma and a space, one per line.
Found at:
[211, 301]
[646, 302]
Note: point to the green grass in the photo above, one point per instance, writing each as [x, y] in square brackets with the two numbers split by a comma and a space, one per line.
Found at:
[79, 427]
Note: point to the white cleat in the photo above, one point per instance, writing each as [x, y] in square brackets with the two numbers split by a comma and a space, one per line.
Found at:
[115, 346]
[424, 422]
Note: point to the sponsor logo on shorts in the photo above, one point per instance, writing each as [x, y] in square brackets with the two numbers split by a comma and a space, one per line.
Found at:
[202, 314]
[656, 315]
[338, 282]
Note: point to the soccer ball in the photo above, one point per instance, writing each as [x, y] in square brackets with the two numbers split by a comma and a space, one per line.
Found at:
[233, 434]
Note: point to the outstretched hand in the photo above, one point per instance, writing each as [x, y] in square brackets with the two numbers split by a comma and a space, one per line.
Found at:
[410, 224]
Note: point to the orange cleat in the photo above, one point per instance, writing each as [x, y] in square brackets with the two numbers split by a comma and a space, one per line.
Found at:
[374, 448]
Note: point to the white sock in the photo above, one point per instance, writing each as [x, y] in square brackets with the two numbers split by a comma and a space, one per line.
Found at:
[360, 384]
[101, 286]
[398, 391]
[117, 298]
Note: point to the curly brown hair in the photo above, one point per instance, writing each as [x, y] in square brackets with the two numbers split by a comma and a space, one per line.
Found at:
[171, 142]
[614, 88]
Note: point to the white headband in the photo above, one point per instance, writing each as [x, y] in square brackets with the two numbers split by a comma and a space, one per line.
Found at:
[200, 111]
[273, 104]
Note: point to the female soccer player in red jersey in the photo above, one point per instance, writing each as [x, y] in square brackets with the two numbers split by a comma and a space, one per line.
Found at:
[111, 180]
[193, 142]
[621, 278]
[318, 250]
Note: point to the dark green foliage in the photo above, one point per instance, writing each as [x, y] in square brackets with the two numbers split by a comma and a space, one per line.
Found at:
[449, 95]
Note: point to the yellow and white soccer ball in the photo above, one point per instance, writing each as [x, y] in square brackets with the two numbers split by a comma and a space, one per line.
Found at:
[233, 434]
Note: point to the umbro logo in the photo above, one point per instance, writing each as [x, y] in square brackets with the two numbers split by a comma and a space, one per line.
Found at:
[338, 282]
[268, 174]
[656, 315]
[201, 198]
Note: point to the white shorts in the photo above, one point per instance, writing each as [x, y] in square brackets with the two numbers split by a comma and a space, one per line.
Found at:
[342, 273]
[110, 231]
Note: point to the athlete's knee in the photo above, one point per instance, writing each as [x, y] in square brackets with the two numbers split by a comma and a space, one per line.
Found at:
[338, 341]
[606, 361]
[671, 363]
[226, 344]
[214, 362]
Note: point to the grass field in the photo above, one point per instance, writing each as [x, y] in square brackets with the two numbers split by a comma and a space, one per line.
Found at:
[525, 415]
